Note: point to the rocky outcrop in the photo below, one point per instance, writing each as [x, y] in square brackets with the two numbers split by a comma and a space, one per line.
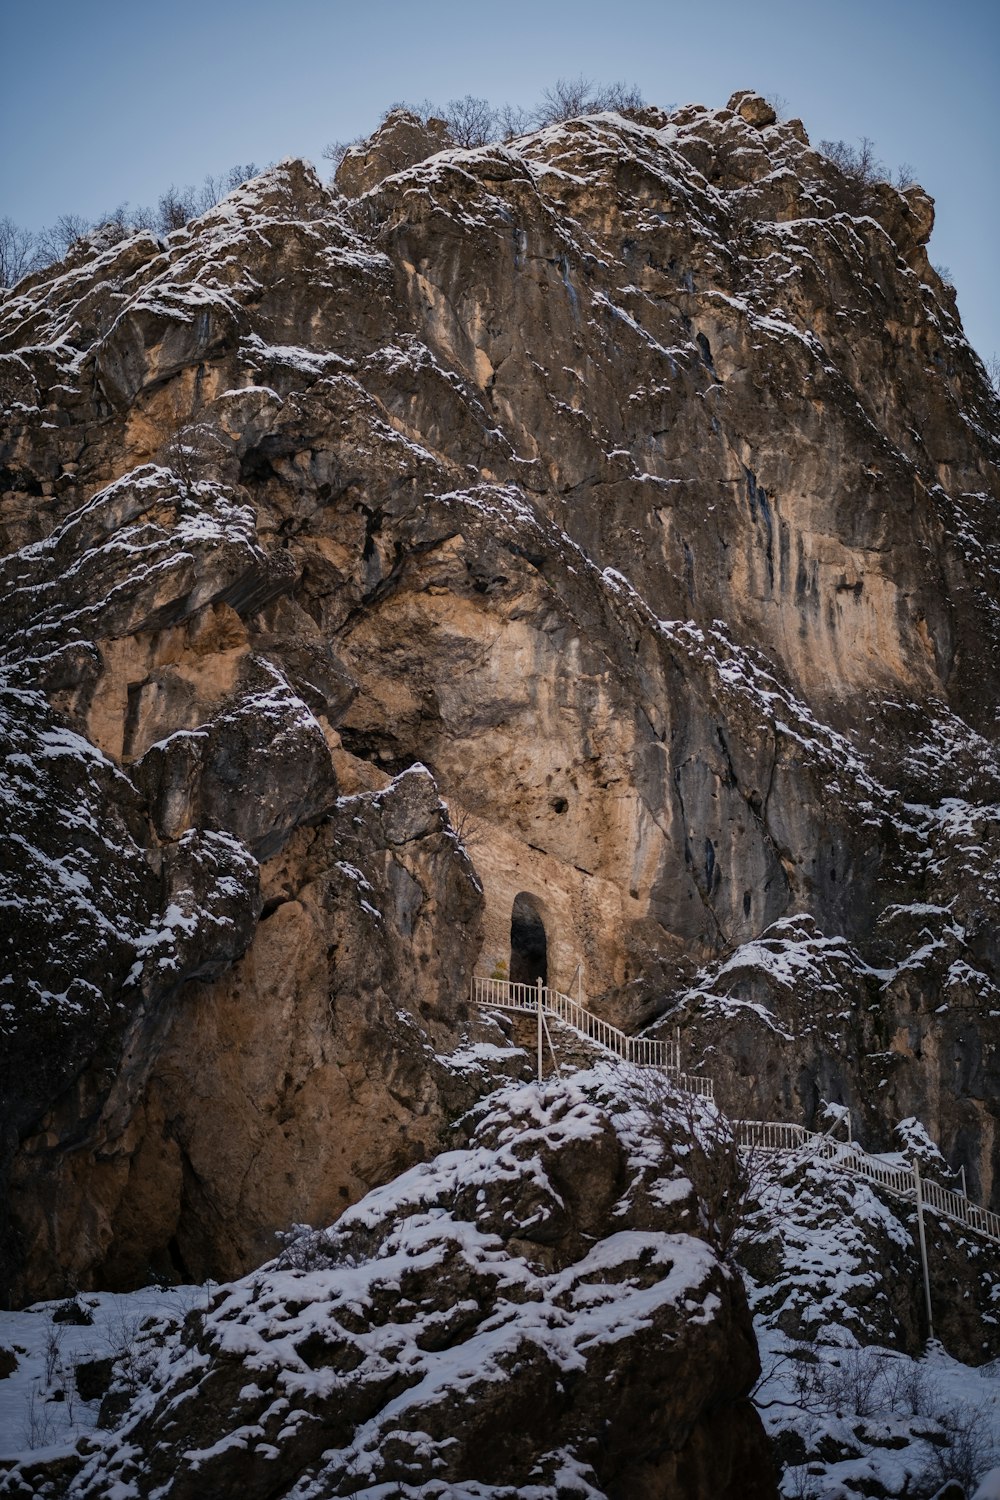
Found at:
[402, 140]
[322, 1061]
[530, 1310]
[635, 479]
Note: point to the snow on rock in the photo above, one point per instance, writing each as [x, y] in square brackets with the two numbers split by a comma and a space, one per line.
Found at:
[853, 1398]
[636, 477]
[460, 1330]
[87, 936]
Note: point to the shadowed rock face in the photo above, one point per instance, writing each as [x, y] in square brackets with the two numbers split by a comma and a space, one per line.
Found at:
[634, 478]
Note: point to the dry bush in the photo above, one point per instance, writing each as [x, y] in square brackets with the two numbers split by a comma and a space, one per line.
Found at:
[471, 122]
[571, 97]
[860, 169]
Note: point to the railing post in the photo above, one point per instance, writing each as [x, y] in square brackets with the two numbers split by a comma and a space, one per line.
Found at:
[923, 1248]
[539, 1029]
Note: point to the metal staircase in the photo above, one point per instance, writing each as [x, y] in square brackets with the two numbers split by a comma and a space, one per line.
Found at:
[895, 1177]
[545, 1003]
[769, 1136]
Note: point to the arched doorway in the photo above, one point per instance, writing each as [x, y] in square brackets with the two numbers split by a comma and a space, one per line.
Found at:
[529, 959]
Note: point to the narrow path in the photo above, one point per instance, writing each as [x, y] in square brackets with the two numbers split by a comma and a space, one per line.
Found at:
[779, 1137]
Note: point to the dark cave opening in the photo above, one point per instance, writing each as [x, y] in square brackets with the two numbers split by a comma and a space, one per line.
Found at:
[528, 942]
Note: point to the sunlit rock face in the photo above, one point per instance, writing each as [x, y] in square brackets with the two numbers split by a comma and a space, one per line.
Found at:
[633, 478]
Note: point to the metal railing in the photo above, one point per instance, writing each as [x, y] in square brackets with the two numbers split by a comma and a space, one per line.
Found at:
[761, 1135]
[902, 1180]
[642, 1052]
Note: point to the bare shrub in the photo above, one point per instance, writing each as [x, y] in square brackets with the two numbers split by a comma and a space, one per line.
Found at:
[124, 221]
[473, 121]
[570, 97]
[237, 176]
[859, 170]
[39, 1427]
[972, 1449]
[175, 207]
[60, 237]
[53, 1342]
[865, 1383]
[512, 120]
[214, 189]
[335, 151]
[858, 162]
[132, 1350]
[300, 1248]
[466, 827]
[799, 1484]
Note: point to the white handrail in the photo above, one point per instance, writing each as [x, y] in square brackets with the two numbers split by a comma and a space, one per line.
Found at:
[761, 1135]
[643, 1052]
[775, 1135]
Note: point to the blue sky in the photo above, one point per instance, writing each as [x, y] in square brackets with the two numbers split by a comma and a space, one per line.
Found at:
[105, 100]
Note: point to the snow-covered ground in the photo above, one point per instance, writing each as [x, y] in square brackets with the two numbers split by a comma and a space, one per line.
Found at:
[852, 1406]
[872, 1421]
[53, 1343]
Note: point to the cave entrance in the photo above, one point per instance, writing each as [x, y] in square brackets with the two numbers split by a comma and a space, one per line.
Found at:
[529, 956]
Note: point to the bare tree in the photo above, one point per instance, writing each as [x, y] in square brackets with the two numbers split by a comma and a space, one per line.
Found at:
[335, 151]
[124, 221]
[860, 169]
[859, 162]
[22, 251]
[214, 189]
[238, 175]
[471, 121]
[512, 120]
[623, 97]
[567, 98]
[18, 252]
[60, 237]
[176, 206]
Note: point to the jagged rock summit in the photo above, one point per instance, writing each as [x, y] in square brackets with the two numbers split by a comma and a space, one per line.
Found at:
[605, 519]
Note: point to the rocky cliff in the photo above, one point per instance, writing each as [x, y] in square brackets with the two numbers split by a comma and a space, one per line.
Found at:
[606, 517]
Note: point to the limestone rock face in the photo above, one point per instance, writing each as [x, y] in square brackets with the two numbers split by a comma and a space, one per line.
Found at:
[631, 480]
